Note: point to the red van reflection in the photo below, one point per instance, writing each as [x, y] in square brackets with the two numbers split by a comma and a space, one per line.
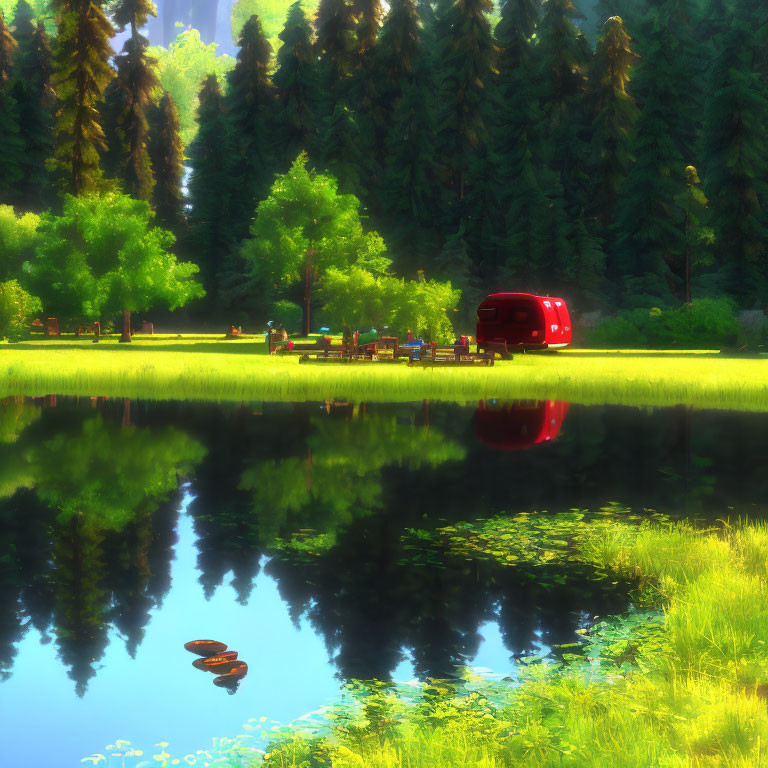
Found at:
[515, 426]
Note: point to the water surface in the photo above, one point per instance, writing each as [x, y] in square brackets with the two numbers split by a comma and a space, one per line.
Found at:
[127, 529]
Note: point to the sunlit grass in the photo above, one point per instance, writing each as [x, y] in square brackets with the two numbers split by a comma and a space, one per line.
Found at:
[210, 368]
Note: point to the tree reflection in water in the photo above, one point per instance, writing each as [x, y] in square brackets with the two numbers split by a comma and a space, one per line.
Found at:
[79, 531]
[88, 513]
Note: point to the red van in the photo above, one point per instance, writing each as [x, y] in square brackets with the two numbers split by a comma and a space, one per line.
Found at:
[509, 321]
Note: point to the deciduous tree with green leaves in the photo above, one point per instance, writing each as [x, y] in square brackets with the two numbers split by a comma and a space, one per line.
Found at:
[304, 228]
[18, 239]
[17, 309]
[103, 256]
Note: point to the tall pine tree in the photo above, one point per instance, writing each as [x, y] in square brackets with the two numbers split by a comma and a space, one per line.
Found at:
[564, 56]
[525, 254]
[613, 113]
[167, 157]
[128, 101]
[210, 188]
[649, 235]
[13, 146]
[736, 155]
[82, 72]
[296, 82]
[467, 61]
[336, 48]
[410, 181]
[250, 106]
[35, 100]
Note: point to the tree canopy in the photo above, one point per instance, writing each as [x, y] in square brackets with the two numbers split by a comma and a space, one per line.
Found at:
[305, 213]
[103, 256]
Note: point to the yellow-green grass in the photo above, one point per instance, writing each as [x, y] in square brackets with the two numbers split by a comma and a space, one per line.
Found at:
[201, 367]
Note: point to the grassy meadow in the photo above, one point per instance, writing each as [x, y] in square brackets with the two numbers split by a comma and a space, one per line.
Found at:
[208, 367]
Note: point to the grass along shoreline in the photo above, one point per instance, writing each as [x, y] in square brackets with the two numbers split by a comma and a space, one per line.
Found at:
[199, 367]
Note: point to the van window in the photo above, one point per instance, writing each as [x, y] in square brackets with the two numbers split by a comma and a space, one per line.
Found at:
[487, 314]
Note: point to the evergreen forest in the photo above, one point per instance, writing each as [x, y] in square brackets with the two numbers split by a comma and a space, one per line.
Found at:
[613, 153]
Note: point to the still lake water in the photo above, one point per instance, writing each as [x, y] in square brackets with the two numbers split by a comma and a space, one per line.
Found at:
[128, 529]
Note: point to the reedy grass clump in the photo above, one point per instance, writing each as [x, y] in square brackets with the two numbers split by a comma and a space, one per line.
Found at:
[200, 368]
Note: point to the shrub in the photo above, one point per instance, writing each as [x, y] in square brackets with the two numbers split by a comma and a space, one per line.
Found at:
[287, 314]
[357, 299]
[704, 324]
[18, 239]
[17, 308]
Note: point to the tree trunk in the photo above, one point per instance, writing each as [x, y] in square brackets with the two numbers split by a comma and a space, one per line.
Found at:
[687, 257]
[307, 294]
[126, 412]
[126, 337]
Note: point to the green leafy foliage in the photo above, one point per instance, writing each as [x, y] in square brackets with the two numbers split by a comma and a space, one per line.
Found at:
[17, 309]
[705, 324]
[305, 212]
[102, 256]
[272, 14]
[354, 298]
[18, 239]
[181, 70]
[287, 314]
